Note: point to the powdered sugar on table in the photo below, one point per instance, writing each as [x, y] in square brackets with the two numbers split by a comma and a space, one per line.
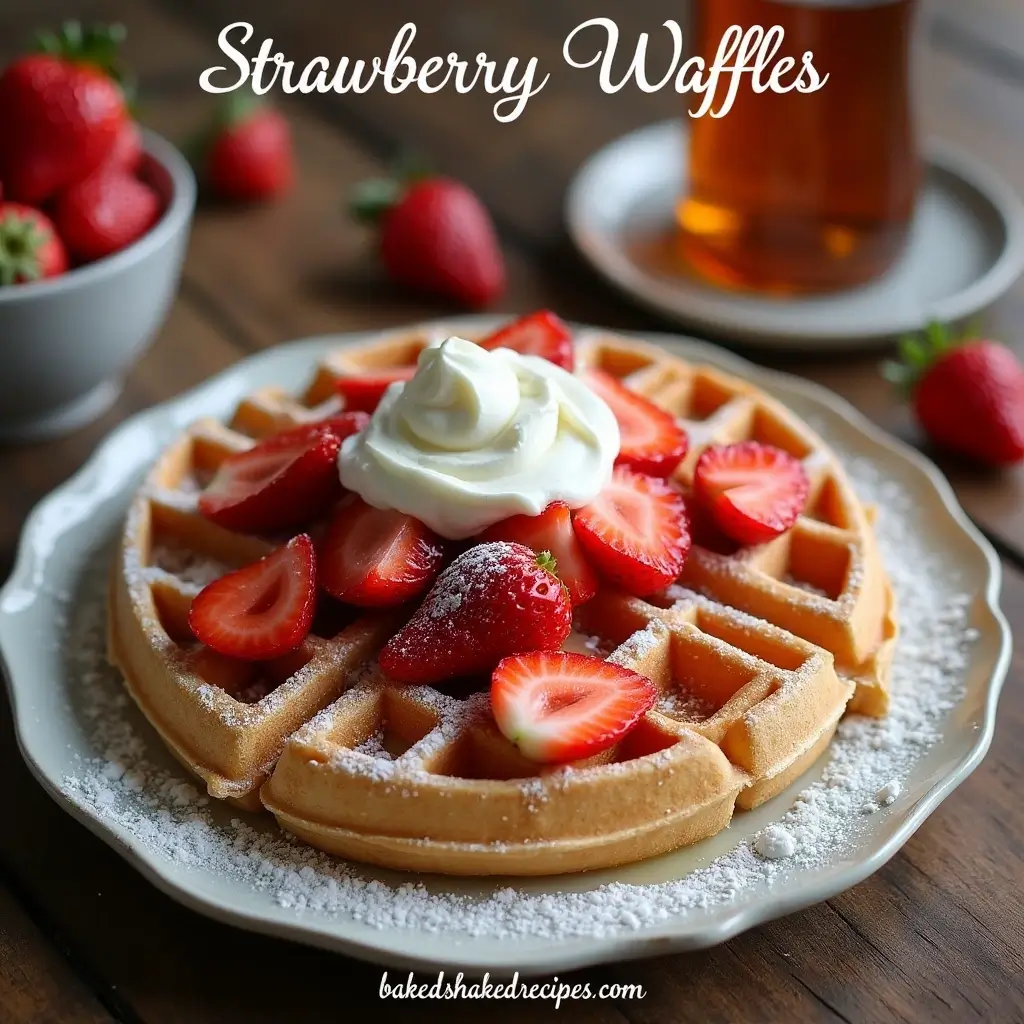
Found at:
[129, 782]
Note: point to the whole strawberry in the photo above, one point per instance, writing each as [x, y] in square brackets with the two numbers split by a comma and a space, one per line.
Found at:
[30, 248]
[126, 152]
[494, 600]
[60, 111]
[105, 212]
[246, 155]
[436, 237]
[967, 395]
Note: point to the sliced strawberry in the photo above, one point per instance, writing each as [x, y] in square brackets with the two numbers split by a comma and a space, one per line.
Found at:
[551, 531]
[539, 334]
[753, 491]
[346, 423]
[635, 533]
[376, 558]
[494, 600]
[651, 441]
[284, 481]
[262, 610]
[558, 707]
[363, 392]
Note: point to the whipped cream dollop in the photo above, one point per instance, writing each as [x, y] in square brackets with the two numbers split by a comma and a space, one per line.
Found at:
[477, 436]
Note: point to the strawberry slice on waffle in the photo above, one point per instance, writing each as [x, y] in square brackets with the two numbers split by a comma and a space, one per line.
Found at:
[262, 610]
[285, 481]
[558, 707]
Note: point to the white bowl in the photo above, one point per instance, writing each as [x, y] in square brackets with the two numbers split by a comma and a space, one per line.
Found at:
[67, 342]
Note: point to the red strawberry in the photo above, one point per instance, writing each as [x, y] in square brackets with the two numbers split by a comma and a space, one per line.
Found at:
[968, 396]
[285, 480]
[262, 610]
[30, 248]
[651, 442]
[558, 707]
[247, 155]
[105, 212]
[60, 112]
[494, 600]
[126, 153]
[635, 533]
[753, 491]
[364, 391]
[551, 531]
[375, 557]
[437, 237]
[538, 334]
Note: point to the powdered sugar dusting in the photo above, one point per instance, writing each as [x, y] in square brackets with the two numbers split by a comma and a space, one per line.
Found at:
[131, 784]
[465, 574]
[187, 566]
[684, 706]
[810, 588]
[642, 642]
[774, 843]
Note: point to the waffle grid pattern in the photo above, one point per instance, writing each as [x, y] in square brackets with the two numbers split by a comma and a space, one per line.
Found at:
[746, 706]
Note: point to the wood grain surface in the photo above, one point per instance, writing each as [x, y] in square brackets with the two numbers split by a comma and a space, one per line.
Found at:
[936, 935]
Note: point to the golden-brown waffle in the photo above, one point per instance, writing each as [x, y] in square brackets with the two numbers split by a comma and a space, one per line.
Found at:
[822, 580]
[408, 777]
[416, 778]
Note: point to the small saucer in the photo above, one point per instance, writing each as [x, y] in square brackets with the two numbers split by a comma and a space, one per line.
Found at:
[966, 248]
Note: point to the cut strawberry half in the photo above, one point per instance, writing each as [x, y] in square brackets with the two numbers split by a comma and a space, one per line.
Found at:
[558, 707]
[651, 441]
[377, 558]
[285, 481]
[551, 531]
[363, 392]
[753, 491]
[635, 533]
[539, 334]
[262, 610]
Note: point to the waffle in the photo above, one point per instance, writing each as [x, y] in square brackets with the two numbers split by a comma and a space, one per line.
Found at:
[755, 653]
[822, 580]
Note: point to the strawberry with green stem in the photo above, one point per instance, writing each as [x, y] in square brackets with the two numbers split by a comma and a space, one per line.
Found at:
[30, 248]
[967, 393]
[496, 599]
[436, 236]
[61, 110]
[245, 154]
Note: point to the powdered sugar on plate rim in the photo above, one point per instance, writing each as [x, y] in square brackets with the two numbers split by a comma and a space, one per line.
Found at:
[158, 812]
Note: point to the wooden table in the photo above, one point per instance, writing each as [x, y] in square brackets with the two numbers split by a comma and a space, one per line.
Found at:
[936, 935]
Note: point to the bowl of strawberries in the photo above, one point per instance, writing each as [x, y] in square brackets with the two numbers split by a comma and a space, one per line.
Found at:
[94, 219]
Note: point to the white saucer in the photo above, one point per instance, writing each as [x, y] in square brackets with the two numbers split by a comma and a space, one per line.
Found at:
[966, 248]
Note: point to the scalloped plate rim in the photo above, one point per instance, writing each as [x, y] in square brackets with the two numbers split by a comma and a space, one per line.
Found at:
[674, 936]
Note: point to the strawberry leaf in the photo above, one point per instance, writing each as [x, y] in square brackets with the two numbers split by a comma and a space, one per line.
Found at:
[913, 351]
[937, 336]
[373, 198]
[235, 108]
[20, 240]
[918, 352]
[546, 561]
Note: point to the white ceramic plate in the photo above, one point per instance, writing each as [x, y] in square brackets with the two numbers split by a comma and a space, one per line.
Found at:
[72, 527]
[966, 248]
